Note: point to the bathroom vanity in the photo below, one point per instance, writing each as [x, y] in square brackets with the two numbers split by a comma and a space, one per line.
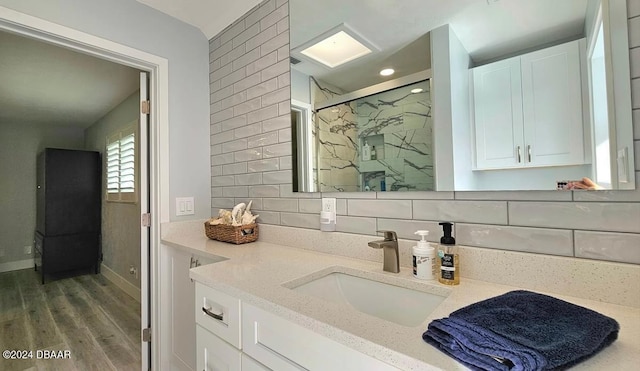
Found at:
[265, 323]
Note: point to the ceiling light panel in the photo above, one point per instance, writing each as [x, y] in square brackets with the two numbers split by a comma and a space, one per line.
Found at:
[337, 49]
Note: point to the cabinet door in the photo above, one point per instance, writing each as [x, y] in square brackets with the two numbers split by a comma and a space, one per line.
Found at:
[552, 106]
[214, 354]
[497, 96]
[183, 328]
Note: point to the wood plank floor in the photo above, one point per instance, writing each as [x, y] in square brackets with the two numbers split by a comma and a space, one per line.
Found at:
[87, 315]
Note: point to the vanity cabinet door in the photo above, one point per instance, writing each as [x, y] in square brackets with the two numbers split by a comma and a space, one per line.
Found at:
[250, 364]
[552, 106]
[282, 345]
[497, 96]
[215, 354]
[183, 329]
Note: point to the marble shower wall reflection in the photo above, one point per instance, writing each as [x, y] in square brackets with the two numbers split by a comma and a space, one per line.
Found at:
[397, 123]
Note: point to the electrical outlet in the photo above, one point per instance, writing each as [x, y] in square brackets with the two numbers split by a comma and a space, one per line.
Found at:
[329, 204]
[27, 250]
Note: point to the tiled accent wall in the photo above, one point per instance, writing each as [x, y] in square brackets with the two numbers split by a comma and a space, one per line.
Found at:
[251, 160]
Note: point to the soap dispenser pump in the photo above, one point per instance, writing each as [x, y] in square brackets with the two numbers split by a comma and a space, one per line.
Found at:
[449, 273]
[424, 258]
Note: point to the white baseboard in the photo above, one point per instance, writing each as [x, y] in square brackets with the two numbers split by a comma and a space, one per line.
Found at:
[16, 266]
[123, 284]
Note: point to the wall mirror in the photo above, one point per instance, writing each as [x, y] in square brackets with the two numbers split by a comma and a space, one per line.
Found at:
[547, 96]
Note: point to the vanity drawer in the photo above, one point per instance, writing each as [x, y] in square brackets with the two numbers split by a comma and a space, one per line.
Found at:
[219, 313]
[215, 354]
[282, 345]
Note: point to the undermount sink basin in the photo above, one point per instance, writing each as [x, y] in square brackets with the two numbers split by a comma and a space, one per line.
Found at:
[401, 305]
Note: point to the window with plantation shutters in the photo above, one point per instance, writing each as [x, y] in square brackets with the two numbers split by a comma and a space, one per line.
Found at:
[121, 166]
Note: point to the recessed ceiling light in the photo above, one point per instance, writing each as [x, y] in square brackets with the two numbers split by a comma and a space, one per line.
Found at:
[387, 72]
[337, 49]
[416, 90]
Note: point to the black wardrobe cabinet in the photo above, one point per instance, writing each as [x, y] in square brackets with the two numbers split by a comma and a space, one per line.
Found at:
[68, 217]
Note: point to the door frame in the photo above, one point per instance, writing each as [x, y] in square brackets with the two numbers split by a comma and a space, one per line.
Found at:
[158, 69]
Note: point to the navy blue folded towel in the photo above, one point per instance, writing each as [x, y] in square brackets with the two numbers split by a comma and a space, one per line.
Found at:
[522, 330]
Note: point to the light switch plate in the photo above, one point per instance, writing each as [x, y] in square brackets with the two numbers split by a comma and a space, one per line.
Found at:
[185, 206]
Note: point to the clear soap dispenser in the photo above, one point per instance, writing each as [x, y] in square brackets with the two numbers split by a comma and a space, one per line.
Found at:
[424, 258]
[449, 273]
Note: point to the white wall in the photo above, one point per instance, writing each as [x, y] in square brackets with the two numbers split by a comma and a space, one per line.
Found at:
[120, 221]
[131, 23]
[19, 148]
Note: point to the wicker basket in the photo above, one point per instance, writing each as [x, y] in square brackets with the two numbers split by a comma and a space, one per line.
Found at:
[228, 233]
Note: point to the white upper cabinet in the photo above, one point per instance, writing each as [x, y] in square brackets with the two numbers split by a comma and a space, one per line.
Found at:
[528, 110]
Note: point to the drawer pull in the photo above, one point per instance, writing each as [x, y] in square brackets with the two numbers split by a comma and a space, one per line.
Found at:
[209, 313]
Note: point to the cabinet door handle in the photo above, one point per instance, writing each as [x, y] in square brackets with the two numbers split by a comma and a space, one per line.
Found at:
[208, 312]
[519, 155]
[528, 152]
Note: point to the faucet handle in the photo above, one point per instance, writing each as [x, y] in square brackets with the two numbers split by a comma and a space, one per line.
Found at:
[389, 235]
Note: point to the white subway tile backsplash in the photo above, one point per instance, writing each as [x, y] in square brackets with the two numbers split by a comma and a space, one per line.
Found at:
[535, 240]
[273, 17]
[618, 217]
[247, 106]
[266, 60]
[274, 44]
[277, 177]
[619, 247]
[216, 192]
[241, 38]
[220, 94]
[635, 62]
[223, 159]
[216, 149]
[233, 55]
[233, 77]
[263, 139]
[221, 115]
[221, 203]
[280, 204]
[351, 224]
[310, 206]
[300, 220]
[268, 217]
[234, 123]
[634, 32]
[341, 205]
[237, 168]
[635, 90]
[236, 145]
[262, 89]
[232, 31]
[216, 170]
[221, 72]
[261, 38]
[247, 82]
[270, 164]
[248, 131]
[350, 195]
[235, 191]
[488, 212]
[257, 13]
[283, 52]
[380, 208]
[264, 191]
[406, 228]
[275, 70]
[284, 108]
[633, 8]
[248, 155]
[277, 123]
[277, 96]
[277, 150]
[636, 124]
[282, 26]
[283, 80]
[223, 49]
[285, 162]
[284, 135]
[248, 179]
[262, 114]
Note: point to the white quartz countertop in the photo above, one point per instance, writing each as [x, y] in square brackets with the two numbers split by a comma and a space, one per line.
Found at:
[255, 273]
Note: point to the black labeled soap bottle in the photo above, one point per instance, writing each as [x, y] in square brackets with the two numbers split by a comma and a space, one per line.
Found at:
[448, 259]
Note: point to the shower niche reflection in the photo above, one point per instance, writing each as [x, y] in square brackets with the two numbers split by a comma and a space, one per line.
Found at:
[378, 142]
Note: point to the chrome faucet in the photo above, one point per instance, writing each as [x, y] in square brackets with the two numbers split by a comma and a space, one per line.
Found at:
[389, 247]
